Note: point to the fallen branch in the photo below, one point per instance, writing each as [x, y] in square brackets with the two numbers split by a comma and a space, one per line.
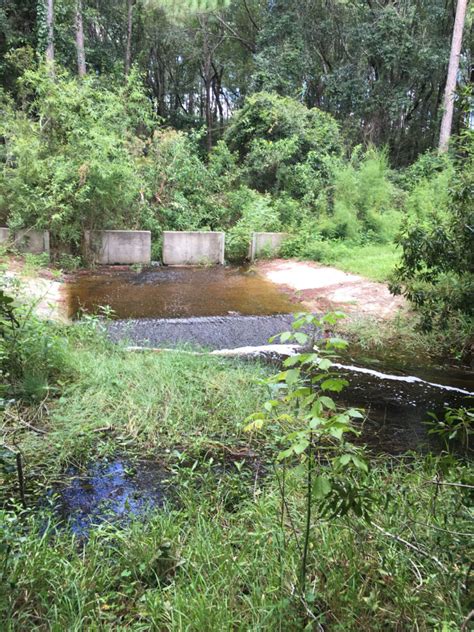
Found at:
[451, 484]
[409, 545]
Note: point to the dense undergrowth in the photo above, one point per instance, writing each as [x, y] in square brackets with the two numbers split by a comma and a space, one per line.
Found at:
[220, 554]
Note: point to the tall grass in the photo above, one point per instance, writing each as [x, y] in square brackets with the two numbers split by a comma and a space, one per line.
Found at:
[217, 556]
[204, 565]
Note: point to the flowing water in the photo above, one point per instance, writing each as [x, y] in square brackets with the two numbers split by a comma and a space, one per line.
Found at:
[227, 308]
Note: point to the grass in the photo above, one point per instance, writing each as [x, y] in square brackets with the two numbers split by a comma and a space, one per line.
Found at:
[216, 557]
[373, 261]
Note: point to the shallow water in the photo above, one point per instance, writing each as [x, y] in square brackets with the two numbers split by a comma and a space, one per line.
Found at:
[114, 490]
[230, 307]
[176, 293]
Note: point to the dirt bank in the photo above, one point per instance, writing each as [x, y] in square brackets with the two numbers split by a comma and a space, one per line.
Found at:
[321, 288]
[45, 294]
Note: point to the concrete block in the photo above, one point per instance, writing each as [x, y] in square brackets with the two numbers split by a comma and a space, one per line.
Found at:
[4, 235]
[110, 247]
[193, 248]
[266, 243]
[32, 241]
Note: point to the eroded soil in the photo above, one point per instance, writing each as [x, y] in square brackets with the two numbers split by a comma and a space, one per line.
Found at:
[321, 288]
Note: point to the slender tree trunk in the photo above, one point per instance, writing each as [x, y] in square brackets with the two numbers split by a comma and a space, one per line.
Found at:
[128, 50]
[50, 31]
[81, 54]
[453, 67]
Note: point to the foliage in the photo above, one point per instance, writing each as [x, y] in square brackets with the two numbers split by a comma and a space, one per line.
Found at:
[455, 429]
[436, 269]
[277, 137]
[69, 155]
[197, 562]
[256, 214]
[32, 353]
[307, 425]
[364, 200]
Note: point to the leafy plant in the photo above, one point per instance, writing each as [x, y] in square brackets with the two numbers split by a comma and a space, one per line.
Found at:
[308, 429]
[455, 428]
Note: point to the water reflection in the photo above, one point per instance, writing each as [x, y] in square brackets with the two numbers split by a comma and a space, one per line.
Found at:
[177, 293]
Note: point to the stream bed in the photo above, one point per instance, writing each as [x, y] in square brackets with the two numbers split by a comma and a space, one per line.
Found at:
[207, 309]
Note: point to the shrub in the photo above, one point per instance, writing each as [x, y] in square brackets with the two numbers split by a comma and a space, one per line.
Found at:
[32, 352]
[275, 135]
[70, 156]
[257, 214]
[436, 269]
[363, 200]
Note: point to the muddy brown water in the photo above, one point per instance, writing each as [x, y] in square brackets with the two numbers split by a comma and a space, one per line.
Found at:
[176, 293]
[229, 307]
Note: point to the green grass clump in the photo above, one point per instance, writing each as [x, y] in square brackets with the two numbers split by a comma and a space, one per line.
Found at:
[205, 564]
[221, 554]
[373, 261]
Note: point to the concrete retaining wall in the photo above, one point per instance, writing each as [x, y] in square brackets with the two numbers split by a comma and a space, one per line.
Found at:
[192, 248]
[33, 241]
[4, 235]
[118, 246]
[266, 243]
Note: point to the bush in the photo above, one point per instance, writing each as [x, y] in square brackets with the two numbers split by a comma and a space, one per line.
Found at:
[70, 155]
[32, 353]
[257, 214]
[363, 200]
[436, 269]
[274, 136]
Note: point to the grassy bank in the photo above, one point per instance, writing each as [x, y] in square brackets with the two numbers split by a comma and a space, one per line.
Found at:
[373, 261]
[218, 556]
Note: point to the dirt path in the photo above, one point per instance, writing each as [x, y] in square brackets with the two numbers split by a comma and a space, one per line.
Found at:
[321, 288]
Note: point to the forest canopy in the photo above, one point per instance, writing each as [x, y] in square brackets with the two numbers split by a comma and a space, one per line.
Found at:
[319, 119]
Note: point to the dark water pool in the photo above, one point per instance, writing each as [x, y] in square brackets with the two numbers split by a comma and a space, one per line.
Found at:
[176, 293]
[110, 490]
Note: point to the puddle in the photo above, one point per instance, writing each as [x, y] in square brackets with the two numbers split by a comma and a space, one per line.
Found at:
[176, 293]
[112, 490]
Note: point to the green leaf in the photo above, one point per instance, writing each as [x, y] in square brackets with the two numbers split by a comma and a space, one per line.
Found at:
[355, 413]
[300, 447]
[327, 402]
[334, 384]
[292, 376]
[301, 338]
[324, 364]
[321, 487]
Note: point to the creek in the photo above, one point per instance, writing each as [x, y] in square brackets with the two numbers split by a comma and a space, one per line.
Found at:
[227, 308]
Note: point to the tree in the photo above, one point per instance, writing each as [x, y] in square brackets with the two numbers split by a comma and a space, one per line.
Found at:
[128, 49]
[436, 272]
[50, 32]
[453, 68]
[81, 55]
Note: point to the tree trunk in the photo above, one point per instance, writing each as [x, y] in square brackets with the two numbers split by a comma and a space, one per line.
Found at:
[128, 50]
[448, 102]
[50, 32]
[81, 54]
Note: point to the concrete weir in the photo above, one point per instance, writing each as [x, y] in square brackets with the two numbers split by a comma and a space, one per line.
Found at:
[193, 248]
[32, 241]
[109, 247]
[263, 243]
